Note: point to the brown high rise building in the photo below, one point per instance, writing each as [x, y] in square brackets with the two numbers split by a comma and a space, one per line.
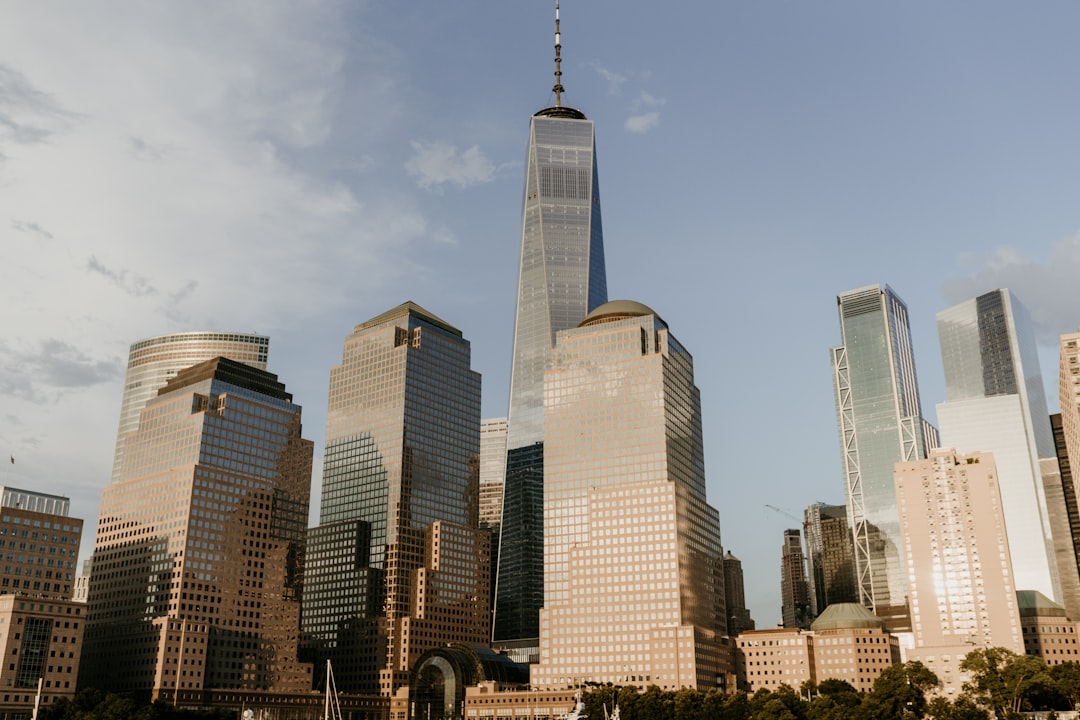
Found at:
[398, 565]
[735, 596]
[633, 568]
[794, 589]
[198, 561]
[41, 628]
[830, 556]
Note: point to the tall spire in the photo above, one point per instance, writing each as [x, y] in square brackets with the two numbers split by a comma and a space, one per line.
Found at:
[558, 88]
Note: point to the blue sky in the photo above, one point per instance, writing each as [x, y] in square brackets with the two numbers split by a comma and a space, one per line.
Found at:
[295, 168]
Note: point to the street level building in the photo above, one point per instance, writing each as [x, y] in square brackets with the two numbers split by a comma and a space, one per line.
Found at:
[996, 403]
[1048, 632]
[561, 278]
[398, 564]
[154, 361]
[198, 562]
[774, 657]
[880, 423]
[960, 570]
[41, 628]
[633, 567]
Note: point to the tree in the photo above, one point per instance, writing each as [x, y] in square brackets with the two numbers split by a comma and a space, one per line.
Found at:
[1003, 681]
[689, 705]
[899, 693]
[963, 708]
[1066, 677]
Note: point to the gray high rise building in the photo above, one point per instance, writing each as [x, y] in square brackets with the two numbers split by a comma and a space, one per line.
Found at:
[794, 588]
[561, 278]
[996, 403]
[398, 565]
[880, 423]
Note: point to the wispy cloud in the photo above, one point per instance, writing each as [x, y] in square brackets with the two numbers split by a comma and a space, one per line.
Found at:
[437, 164]
[27, 115]
[31, 228]
[1048, 289]
[646, 113]
[131, 283]
[39, 373]
[613, 79]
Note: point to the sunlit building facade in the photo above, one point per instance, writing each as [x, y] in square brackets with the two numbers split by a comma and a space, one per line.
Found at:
[198, 562]
[1048, 631]
[880, 423]
[633, 567]
[154, 361]
[398, 565]
[561, 278]
[960, 570]
[996, 403]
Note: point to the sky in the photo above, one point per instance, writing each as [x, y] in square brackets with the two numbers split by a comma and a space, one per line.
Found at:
[295, 168]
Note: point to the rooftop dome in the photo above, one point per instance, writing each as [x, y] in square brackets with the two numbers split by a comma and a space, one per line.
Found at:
[618, 310]
[846, 616]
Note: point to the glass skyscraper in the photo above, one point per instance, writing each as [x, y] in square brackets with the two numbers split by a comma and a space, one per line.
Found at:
[152, 362]
[398, 565]
[996, 403]
[198, 561]
[880, 424]
[561, 278]
[633, 566]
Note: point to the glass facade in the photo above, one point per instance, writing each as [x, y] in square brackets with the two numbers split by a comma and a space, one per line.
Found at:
[996, 403]
[830, 556]
[561, 278]
[880, 423]
[633, 567]
[198, 562]
[154, 361]
[398, 564]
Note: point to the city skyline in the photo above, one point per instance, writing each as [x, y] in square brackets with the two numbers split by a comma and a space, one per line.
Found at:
[296, 176]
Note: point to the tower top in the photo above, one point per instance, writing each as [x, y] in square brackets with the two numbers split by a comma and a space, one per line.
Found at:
[558, 88]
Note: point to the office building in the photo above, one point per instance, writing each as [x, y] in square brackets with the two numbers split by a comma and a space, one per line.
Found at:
[960, 572]
[1065, 514]
[996, 403]
[830, 557]
[794, 588]
[398, 565]
[848, 642]
[154, 361]
[41, 628]
[198, 562]
[633, 567]
[738, 616]
[561, 278]
[1047, 630]
[880, 423]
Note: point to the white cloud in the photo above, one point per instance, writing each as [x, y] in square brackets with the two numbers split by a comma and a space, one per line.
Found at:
[645, 100]
[1048, 289]
[613, 79]
[642, 123]
[436, 164]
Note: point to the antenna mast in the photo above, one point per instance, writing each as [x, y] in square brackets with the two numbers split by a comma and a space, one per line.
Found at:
[558, 88]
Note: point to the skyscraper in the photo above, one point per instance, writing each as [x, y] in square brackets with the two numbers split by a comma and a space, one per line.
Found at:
[561, 278]
[830, 557]
[633, 567]
[794, 588]
[1066, 429]
[960, 572]
[880, 423]
[398, 565]
[738, 615]
[154, 361]
[996, 403]
[198, 562]
[492, 485]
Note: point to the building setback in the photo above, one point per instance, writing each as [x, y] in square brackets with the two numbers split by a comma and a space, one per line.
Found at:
[880, 423]
[198, 563]
[561, 278]
[154, 361]
[633, 567]
[398, 565]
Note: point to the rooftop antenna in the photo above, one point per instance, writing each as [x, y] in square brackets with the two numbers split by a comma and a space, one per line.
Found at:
[558, 88]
